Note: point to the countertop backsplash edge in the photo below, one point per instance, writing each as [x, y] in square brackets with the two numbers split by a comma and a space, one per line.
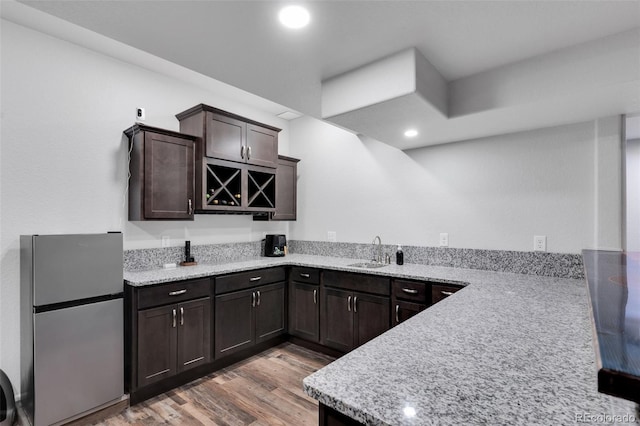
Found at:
[558, 265]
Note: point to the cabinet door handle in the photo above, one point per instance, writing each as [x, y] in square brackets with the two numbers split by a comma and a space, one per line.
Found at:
[349, 304]
[181, 315]
[248, 153]
[190, 207]
[242, 152]
[252, 279]
[253, 299]
[446, 293]
[397, 314]
[258, 302]
[305, 275]
[410, 291]
[174, 319]
[315, 297]
[178, 292]
[355, 304]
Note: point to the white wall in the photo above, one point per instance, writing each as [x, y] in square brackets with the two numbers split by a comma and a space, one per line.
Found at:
[491, 193]
[63, 162]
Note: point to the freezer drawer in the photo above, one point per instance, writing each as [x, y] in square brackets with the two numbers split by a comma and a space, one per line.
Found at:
[78, 360]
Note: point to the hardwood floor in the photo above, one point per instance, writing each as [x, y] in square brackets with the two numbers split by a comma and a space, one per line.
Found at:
[265, 389]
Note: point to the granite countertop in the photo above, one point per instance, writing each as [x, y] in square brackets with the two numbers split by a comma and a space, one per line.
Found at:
[506, 349]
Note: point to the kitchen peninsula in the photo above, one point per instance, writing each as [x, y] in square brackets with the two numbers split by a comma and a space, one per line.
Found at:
[508, 348]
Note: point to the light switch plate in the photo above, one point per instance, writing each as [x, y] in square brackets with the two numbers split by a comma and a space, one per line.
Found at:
[166, 241]
[331, 236]
[444, 239]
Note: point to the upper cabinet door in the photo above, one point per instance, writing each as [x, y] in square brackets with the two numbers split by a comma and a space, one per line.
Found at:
[225, 138]
[168, 177]
[261, 146]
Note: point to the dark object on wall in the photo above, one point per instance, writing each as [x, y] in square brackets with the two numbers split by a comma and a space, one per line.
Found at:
[7, 401]
[274, 245]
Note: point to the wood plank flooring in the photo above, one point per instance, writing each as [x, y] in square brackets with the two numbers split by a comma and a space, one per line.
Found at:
[265, 389]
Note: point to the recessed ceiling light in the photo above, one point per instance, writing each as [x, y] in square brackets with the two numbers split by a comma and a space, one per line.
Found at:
[411, 133]
[294, 17]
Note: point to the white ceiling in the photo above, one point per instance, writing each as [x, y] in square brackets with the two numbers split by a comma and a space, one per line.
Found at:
[242, 44]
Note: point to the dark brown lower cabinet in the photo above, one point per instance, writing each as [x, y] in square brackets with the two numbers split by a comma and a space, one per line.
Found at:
[172, 339]
[329, 417]
[350, 319]
[304, 312]
[247, 317]
[402, 311]
[270, 312]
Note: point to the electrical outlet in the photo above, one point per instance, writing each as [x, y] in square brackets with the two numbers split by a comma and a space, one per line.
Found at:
[166, 241]
[331, 236]
[444, 239]
[140, 115]
[539, 243]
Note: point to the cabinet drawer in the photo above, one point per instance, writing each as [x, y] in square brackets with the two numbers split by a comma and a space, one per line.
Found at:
[412, 291]
[242, 280]
[305, 275]
[357, 282]
[439, 292]
[173, 292]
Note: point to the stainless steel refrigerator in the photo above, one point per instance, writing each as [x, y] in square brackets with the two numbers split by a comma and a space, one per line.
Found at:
[72, 340]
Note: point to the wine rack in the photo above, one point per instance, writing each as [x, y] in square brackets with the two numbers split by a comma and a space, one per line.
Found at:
[261, 189]
[223, 186]
[230, 187]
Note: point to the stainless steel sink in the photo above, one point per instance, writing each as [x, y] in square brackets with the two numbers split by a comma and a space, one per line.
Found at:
[368, 265]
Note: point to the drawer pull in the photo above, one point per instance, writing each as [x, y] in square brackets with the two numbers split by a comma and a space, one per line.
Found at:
[253, 279]
[157, 374]
[446, 293]
[410, 291]
[305, 275]
[349, 304]
[315, 297]
[398, 314]
[178, 292]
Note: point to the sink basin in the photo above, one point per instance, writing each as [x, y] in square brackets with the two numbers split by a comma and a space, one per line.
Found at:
[368, 265]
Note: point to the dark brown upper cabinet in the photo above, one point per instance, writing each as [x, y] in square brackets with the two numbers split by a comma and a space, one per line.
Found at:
[161, 185]
[286, 191]
[228, 136]
[236, 161]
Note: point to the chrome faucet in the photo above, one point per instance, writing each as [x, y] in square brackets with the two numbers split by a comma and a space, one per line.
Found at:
[378, 258]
